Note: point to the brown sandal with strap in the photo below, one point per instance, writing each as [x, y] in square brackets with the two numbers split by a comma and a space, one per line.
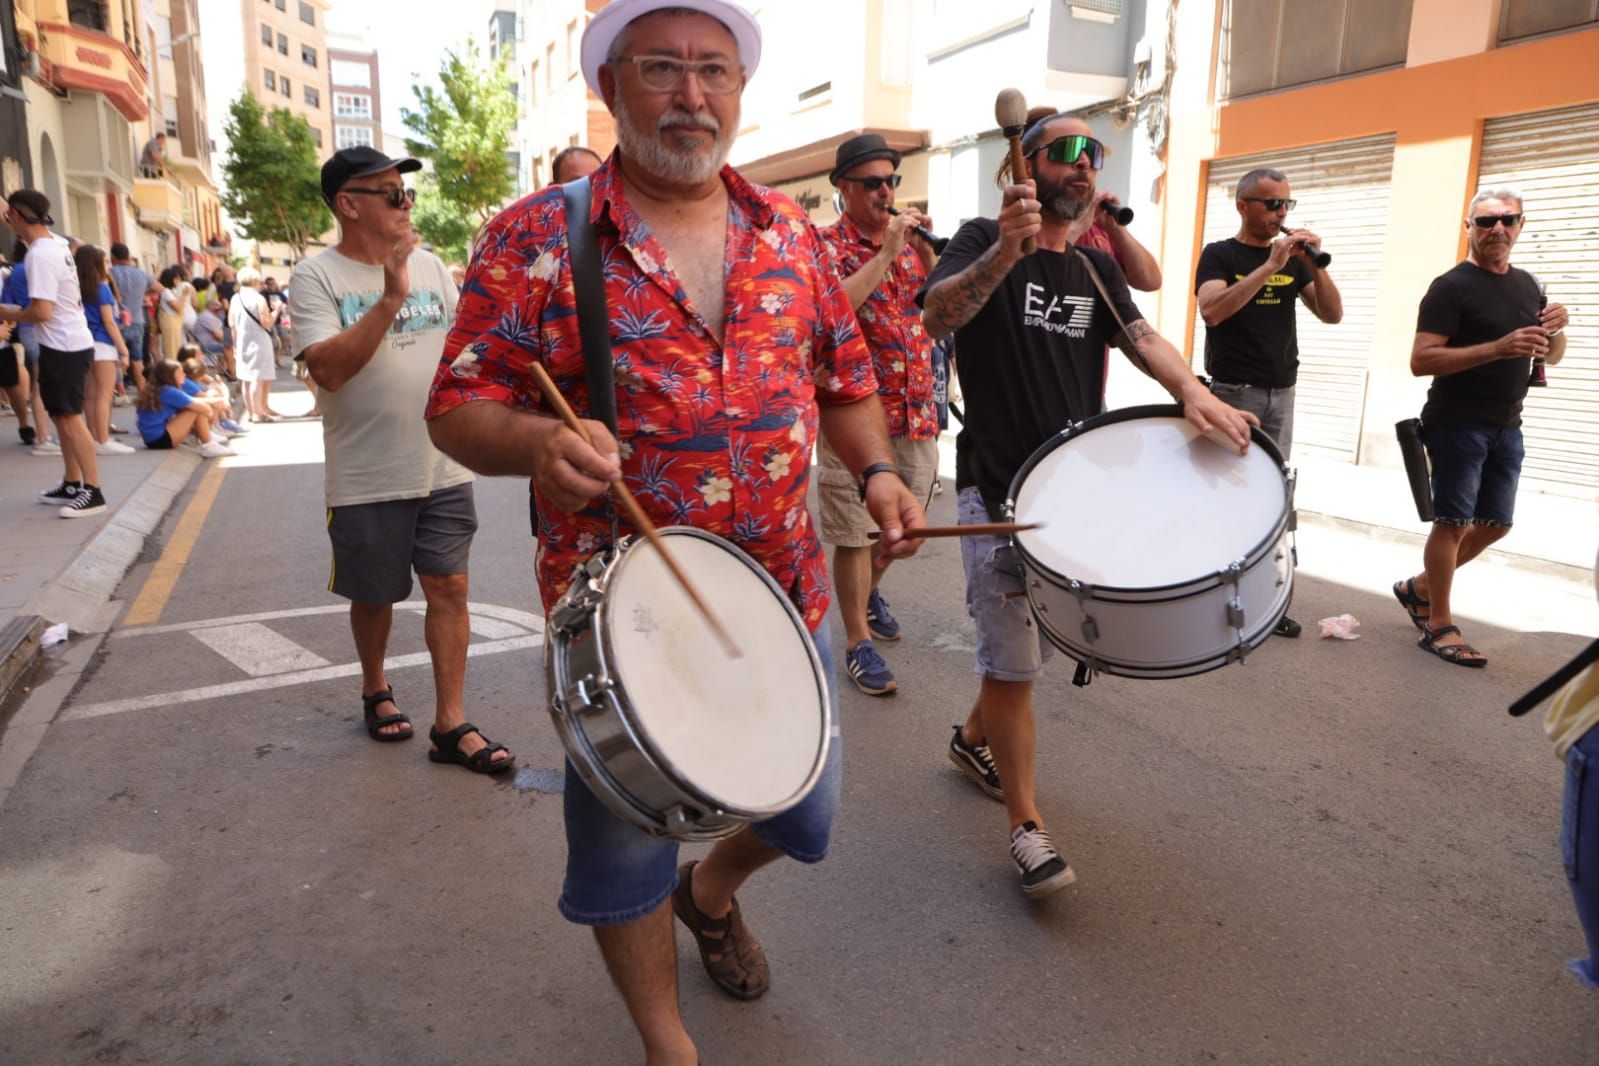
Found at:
[739, 968]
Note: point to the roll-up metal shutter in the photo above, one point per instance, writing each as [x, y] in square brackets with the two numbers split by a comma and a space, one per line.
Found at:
[1342, 189]
[1549, 156]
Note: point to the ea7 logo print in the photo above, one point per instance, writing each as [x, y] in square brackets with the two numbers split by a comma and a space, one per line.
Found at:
[1070, 315]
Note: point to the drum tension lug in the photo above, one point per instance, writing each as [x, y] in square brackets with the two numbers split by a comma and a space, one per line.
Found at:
[584, 693]
[678, 823]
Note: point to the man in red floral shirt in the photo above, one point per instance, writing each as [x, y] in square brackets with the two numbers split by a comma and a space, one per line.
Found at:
[732, 343]
[882, 263]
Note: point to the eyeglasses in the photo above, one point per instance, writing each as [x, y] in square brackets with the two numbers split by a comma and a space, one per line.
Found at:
[395, 197]
[665, 74]
[1488, 221]
[1270, 203]
[1070, 148]
[872, 184]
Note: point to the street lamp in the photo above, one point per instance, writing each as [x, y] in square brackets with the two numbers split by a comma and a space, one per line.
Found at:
[165, 51]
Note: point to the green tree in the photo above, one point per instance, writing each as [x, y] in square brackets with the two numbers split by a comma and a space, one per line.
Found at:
[273, 187]
[440, 223]
[464, 127]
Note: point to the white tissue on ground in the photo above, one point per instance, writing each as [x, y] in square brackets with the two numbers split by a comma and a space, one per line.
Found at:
[53, 635]
[1340, 628]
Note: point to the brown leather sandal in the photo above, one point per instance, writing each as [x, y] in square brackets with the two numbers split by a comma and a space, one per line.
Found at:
[739, 968]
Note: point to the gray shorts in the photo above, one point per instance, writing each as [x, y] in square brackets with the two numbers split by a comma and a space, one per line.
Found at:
[377, 545]
[1274, 408]
[1009, 645]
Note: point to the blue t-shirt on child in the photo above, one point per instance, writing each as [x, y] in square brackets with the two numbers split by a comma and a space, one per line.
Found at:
[153, 424]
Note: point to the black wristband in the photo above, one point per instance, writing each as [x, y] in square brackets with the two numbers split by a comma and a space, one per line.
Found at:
[876, 468]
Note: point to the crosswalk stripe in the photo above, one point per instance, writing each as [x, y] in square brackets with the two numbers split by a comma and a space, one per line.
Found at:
[262, 684]
[257, 650]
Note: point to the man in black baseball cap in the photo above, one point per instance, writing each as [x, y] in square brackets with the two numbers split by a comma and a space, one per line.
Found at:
[359, 162]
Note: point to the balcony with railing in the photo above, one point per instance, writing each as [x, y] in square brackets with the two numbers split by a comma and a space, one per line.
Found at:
[92, 46]
[160, 203]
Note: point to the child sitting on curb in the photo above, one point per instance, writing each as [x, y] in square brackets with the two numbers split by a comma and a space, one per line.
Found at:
[200, 384]
[167, 414]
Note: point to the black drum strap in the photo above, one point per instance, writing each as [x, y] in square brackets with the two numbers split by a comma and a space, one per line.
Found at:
[593, 317]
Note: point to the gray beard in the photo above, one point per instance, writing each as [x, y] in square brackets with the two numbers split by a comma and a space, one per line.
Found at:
[1061, 203]
[678, 166]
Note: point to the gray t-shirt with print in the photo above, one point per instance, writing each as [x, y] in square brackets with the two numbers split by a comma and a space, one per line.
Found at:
[374, 439]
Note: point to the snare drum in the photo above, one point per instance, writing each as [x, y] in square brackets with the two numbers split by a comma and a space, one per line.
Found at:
[1162, 554]
[671, 734]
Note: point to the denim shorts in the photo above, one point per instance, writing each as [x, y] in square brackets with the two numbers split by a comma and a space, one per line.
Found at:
[1474, 473]
[1009, 645]
[617, 873]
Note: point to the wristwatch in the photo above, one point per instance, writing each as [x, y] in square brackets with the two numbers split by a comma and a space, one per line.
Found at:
[876, 468]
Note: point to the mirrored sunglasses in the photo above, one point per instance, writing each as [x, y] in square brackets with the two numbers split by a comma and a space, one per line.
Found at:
[1070, 148]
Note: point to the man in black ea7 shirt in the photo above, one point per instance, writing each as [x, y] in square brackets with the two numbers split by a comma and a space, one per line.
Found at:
[1246, 286]
[1031, 332]
[1479, 328]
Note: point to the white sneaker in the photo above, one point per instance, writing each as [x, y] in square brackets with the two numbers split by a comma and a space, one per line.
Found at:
[112, 447]
[215, 450]
[47, 447]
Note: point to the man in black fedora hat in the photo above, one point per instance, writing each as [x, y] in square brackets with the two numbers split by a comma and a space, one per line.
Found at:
[882, 262]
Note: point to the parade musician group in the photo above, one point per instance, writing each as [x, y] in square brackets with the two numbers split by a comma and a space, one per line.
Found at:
[743, 338]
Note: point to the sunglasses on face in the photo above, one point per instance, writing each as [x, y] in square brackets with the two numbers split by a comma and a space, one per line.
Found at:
[1070, 149]
[873, 184]
[395, 197]
[665, 74]
[1488, 221]
[1271, 203]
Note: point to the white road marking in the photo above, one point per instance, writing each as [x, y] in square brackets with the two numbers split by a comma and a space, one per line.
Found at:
[526, 619]
[493, 628]
[260, 651]
[299, 677]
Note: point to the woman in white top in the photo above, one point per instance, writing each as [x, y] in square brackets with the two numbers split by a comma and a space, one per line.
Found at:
[252, 321]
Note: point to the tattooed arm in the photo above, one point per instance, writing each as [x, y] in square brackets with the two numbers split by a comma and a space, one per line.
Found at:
[955, 301]
[1159, 358]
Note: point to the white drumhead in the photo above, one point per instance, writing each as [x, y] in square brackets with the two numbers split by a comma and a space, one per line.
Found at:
[1147, 503]
[744, 731]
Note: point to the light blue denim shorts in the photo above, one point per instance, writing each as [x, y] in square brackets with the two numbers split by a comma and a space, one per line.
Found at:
[1009, 645]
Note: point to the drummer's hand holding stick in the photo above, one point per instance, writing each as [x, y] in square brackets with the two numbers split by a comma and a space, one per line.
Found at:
[895, 508]
[569, 472]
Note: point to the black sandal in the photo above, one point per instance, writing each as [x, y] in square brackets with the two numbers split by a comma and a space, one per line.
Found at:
[1450, 653]
[1405, 592]
[375, 724]
[448, 749]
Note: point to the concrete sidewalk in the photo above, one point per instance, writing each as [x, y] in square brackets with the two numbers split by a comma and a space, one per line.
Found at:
[65, 570]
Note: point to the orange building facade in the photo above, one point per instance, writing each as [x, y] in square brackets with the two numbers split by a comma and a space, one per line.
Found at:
[1384, 164]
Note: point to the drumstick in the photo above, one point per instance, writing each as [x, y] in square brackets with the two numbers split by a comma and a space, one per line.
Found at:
[635, 513]
[977, 529]
[1010, 111]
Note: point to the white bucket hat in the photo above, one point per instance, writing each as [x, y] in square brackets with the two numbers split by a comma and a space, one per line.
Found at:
[605, 27]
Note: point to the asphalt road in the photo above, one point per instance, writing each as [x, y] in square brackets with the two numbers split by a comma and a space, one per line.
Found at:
[1334, 853]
